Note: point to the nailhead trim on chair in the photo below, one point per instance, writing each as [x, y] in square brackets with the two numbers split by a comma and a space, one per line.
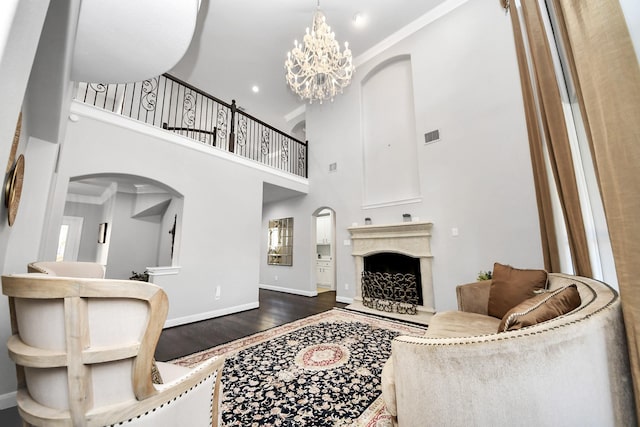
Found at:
[173, 400]
[213, 392]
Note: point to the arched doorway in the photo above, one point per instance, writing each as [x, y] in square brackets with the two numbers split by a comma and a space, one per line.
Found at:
[103, 212]
[324, 246]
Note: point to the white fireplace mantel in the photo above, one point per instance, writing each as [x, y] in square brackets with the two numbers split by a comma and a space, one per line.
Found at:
[407, 238]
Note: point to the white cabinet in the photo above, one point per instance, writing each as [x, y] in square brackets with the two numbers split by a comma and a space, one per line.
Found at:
[323, 230]
[324, 273]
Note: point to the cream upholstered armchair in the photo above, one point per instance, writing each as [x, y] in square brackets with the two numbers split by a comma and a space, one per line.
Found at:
[68, 268]
[84, 355]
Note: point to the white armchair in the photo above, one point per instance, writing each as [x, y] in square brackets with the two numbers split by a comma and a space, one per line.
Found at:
[68, 268]
[84, 352]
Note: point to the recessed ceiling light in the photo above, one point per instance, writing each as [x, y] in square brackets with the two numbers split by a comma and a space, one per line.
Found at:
[358, 19]
[255, 89]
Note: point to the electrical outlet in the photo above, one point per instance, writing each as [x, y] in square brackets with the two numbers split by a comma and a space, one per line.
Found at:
[276, 278]
[346, 286]
[217, 292]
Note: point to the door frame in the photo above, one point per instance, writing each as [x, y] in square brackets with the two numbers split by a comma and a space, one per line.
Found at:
[333, 283]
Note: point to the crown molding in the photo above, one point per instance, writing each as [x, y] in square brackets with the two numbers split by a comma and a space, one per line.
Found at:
[413, 27]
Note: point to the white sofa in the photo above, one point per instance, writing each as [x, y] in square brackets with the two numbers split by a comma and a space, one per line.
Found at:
[569, 371]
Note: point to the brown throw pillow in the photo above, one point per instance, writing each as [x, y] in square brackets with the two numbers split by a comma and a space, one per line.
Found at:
[510, 286]
[542, 307]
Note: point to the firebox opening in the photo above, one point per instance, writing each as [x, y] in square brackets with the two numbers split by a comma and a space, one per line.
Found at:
[393, 277]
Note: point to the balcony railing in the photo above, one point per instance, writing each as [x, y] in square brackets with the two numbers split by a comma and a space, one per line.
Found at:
[171, 104]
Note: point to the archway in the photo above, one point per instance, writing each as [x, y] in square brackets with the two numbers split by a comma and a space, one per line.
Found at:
[324, 246]
[128, 223]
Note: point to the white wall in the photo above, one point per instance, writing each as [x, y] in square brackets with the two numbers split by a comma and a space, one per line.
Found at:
[21, 28]
[133, 244]
[108, 211]
[221, 219]
[298, 278]
[92, 215]
[478, 178]
[219, 222]
[389, 133]
[164, 246]
[22, 240]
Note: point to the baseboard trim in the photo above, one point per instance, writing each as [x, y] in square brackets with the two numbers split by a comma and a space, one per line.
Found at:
[210, 314]
[8, 400]
[344, 300]
[289, 290]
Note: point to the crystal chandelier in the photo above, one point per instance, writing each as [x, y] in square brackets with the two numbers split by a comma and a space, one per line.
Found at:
[316, 69]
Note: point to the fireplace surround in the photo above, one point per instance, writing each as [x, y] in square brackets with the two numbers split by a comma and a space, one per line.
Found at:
[408, 238]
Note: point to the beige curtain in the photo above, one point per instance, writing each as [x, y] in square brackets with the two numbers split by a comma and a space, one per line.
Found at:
[543, 196]
[607, 76]
[545, 111]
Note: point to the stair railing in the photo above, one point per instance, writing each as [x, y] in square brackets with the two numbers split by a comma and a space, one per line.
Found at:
[173, 105]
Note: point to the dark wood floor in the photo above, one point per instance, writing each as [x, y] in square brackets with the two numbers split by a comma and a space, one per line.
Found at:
[276, 308]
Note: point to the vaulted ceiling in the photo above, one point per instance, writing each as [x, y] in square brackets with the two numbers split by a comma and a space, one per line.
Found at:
[241, 43]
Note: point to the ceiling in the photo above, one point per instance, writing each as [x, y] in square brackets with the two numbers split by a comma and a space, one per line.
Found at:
[99, 44]
[241, 43]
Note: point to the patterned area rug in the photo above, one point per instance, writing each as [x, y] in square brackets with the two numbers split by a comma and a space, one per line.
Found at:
[323, 370]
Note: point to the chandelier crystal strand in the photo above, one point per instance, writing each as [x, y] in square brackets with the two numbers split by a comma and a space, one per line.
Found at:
[316, 69]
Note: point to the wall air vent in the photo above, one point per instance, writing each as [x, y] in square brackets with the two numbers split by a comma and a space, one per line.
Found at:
[432, 136]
